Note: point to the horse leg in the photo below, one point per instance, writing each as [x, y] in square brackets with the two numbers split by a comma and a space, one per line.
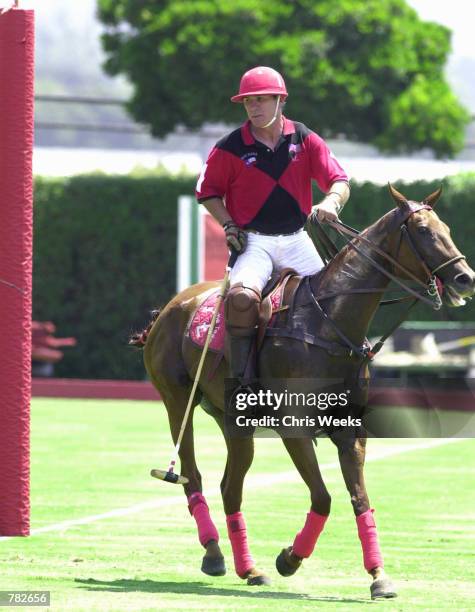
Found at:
[240, 455]
[351, 454]
[239, 460]
[213, 560]
[302, 452]
[164, 362]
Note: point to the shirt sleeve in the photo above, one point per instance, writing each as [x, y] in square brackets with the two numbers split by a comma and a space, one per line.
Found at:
[215, 176]
[324, 166]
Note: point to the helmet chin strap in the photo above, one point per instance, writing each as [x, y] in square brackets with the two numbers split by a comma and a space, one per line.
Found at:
[275, 114]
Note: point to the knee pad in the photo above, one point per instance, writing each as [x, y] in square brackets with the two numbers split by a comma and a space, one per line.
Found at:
[241, 309]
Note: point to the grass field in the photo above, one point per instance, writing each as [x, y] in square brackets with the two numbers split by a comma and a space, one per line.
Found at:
[92, 457]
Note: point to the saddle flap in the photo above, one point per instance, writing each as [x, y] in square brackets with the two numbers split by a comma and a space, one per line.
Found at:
[276, 279]
[279, 298]
[199, 323]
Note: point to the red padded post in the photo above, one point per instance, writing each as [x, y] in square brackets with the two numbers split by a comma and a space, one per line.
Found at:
[16, 240]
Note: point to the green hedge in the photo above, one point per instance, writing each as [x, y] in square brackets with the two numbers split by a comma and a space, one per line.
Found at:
[105, 251]
[104, 256]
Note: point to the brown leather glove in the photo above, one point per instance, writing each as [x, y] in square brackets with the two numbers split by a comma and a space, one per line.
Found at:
[236, 238]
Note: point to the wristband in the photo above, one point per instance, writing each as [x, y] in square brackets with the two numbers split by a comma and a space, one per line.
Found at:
[336, 199]
[227, 224]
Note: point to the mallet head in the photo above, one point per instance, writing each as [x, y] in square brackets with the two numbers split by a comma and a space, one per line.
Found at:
[169, 476]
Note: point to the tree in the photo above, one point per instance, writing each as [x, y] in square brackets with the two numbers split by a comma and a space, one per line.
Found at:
[367, 69]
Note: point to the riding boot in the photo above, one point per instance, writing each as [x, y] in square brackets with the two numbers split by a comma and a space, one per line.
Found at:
[241, 308]
[242, 358]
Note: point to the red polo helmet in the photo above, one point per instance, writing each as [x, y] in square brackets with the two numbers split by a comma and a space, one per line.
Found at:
[260, 81]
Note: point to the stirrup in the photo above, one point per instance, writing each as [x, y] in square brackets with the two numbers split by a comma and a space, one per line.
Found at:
[244, 387]
[244, 390]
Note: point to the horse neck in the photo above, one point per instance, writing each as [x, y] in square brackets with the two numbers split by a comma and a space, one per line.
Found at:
[349, 271]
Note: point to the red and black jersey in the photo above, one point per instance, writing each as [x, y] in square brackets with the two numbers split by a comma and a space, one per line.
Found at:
[269, 191]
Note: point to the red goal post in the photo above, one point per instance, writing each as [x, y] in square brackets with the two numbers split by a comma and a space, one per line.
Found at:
[16, 239]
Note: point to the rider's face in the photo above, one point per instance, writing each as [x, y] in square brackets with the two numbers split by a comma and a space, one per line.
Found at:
[260, 109]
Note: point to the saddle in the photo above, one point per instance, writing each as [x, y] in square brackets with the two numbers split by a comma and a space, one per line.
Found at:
[277, 297]
[285, 284]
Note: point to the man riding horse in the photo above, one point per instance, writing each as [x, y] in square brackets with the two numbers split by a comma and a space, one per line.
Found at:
[257, 183]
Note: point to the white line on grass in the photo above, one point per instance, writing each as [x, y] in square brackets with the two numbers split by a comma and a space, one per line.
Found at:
[252, 482]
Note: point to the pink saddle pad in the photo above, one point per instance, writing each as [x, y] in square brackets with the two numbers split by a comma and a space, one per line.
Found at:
[201, 320]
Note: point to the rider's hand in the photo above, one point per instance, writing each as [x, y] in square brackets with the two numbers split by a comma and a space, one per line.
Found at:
[327, 210]
[236, 238]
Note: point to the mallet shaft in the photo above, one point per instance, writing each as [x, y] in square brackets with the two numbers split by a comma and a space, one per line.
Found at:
[222, 291]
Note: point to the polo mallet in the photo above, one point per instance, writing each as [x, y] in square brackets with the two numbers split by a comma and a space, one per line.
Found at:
[169, 475]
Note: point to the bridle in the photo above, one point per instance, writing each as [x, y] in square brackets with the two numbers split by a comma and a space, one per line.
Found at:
[432, 285]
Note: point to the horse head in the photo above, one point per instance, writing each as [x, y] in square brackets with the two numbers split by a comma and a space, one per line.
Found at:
[426, 249]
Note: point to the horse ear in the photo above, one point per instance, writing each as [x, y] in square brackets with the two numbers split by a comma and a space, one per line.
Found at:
[396, 196]
[433, 197]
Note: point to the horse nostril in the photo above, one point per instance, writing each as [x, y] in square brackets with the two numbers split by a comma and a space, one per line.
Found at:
[464, 279]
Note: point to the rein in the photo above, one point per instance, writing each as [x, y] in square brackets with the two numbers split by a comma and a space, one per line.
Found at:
[430, 286]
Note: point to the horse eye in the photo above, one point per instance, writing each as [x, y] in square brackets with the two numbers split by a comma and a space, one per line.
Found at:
[423, 229]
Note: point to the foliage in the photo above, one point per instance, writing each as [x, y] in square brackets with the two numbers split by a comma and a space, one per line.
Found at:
[423, 113]
[370, 70]
[104, 256]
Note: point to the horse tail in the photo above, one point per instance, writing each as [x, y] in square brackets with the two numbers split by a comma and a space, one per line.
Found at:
[140, 338]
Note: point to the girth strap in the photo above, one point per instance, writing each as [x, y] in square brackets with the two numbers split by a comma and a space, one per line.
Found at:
[333, 348]
[356, 350]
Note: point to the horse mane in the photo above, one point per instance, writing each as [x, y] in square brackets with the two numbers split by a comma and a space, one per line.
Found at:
[389, 217]
[139, 339]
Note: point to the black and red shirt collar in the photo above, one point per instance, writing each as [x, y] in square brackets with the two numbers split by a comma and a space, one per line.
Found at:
[249, 139]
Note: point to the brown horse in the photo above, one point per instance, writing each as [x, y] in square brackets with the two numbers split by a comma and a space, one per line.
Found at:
[413, 236]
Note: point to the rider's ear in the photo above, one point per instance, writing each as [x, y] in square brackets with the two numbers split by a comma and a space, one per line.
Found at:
[396, 196]
[433, 197]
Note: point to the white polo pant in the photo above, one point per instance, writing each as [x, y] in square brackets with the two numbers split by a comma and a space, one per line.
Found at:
[265, 253]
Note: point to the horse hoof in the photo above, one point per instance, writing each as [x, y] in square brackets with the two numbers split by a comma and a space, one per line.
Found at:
[284, 565]
[382, 588]
[213, 566]
[259, 580]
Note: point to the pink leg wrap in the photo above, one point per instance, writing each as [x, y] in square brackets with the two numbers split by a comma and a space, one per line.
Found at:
[369, 540]
[306, 539]
[243, 560]
[199, 510]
